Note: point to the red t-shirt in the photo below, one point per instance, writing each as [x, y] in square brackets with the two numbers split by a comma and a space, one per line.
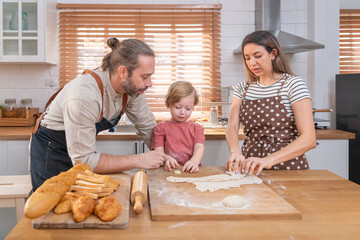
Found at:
[178, 139]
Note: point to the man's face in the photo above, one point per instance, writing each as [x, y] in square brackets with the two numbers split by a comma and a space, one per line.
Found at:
[140, 79]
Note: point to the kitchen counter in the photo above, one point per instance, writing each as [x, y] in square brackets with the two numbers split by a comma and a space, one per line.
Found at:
[329, 204]
[24, 133]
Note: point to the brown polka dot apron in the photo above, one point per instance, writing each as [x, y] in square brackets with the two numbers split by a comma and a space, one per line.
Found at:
[269, 127]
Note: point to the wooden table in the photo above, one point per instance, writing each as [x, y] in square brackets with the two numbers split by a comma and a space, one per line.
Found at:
[330, 207]
[13, 191]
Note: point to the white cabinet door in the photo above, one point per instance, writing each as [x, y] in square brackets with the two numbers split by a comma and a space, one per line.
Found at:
[216, 153]
[29, 31]
[332, 155]
[3, 157]
[14, 156]
[18, 157]
[118, 147]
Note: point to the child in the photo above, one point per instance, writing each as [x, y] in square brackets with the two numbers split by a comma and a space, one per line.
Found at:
[182, 141]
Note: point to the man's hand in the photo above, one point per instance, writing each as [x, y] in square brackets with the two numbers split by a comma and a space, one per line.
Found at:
[152, 159]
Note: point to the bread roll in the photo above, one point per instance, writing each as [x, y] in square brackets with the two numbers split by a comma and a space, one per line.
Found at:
[108, 208]
[82, 208]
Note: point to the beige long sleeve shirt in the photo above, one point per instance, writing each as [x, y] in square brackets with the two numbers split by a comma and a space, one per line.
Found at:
[77, 108]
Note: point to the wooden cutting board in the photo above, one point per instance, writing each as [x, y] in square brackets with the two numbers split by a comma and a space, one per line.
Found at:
[182, 201]
[52, 220]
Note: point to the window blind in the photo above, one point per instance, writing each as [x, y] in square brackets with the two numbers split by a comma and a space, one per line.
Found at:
[185, 39]
[349, 41]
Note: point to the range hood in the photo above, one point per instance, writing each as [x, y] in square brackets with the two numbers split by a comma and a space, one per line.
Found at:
[267, 17]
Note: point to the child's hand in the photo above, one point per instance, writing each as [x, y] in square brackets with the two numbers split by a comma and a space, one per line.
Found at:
[191, 166]
[170, 163]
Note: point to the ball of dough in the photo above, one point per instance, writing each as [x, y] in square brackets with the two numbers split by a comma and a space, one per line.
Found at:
[234, 201]
[177, 172]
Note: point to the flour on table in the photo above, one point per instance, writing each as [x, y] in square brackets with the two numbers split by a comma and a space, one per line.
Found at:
[213, 183]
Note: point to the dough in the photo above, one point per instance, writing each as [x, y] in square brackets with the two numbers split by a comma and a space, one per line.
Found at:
[213, 183]
[177, 172]
[234, 201]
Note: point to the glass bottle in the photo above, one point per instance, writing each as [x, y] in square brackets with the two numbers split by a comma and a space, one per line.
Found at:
[13, 24]
[10, 108]
[24, 20]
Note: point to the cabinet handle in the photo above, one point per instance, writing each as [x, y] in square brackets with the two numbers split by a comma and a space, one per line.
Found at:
[136, 148]
[143, 147]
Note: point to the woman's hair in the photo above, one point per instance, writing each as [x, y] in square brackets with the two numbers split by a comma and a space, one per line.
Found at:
[270, 43]
[179, 90]
[125, 53]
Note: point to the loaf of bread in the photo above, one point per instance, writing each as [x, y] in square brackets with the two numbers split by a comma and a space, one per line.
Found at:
[49, 194]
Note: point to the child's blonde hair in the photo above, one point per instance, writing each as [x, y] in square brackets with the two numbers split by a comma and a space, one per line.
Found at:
[178, 90]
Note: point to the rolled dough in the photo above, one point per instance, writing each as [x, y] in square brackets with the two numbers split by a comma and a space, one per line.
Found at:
[234, 201]
[213, 183]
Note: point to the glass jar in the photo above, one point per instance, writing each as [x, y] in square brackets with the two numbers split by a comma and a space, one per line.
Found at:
[9, 111]
[26, 104]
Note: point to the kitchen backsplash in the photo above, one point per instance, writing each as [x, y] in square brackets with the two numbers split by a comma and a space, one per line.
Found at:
[237, 19]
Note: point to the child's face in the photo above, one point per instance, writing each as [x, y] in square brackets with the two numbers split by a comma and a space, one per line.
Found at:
[181, 111]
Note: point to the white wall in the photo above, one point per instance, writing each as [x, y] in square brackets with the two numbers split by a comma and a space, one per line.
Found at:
[32, 81]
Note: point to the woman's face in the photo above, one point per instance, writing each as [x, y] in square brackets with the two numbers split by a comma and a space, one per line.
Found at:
[258, 60]
[181, 111]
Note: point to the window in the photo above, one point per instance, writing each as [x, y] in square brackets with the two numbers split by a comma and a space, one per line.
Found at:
[349, 41]
[185, 38]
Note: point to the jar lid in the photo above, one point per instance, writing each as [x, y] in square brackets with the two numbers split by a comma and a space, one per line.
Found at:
[26, 100]
[10, 100]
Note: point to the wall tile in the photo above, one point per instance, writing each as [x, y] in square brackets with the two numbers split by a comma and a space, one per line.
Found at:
[22, 81]
[288, 5]
[293, 17]
[242, 5]
[242, 18]
[301, 5]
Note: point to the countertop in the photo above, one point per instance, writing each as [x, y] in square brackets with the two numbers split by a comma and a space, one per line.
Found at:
[24, 133]
[329, 204]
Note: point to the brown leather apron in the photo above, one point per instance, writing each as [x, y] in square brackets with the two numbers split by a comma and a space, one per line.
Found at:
[269, 127]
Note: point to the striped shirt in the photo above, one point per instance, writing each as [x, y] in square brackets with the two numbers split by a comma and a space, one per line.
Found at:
[293, 90]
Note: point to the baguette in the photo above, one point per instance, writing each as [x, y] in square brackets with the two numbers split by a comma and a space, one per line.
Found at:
[78, 188]
[89, 178]
[90, 173]
[92, 195]
[104, 194]
[49, 194]
[89, 184]
[41, 203]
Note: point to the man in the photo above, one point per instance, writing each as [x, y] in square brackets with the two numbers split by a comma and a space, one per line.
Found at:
[65, 134]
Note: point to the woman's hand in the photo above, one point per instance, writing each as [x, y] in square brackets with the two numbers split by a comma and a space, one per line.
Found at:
[256, 165]
[234, 162]
[191, 166]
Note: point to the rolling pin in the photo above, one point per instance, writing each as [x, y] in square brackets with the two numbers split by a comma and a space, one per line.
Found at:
[139, 191]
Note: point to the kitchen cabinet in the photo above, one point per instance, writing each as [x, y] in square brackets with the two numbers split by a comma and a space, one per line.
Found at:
[14, 156]
[121, 147]
[28, 31]
[330, 154]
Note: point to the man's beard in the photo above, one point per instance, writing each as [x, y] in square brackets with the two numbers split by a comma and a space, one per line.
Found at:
[130, 88]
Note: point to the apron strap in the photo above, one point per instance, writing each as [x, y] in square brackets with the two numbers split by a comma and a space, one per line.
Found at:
[100, 85]
[246, 88]
[277, 93]
[125, 97]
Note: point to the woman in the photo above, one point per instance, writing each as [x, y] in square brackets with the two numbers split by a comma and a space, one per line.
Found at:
[275, 108]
